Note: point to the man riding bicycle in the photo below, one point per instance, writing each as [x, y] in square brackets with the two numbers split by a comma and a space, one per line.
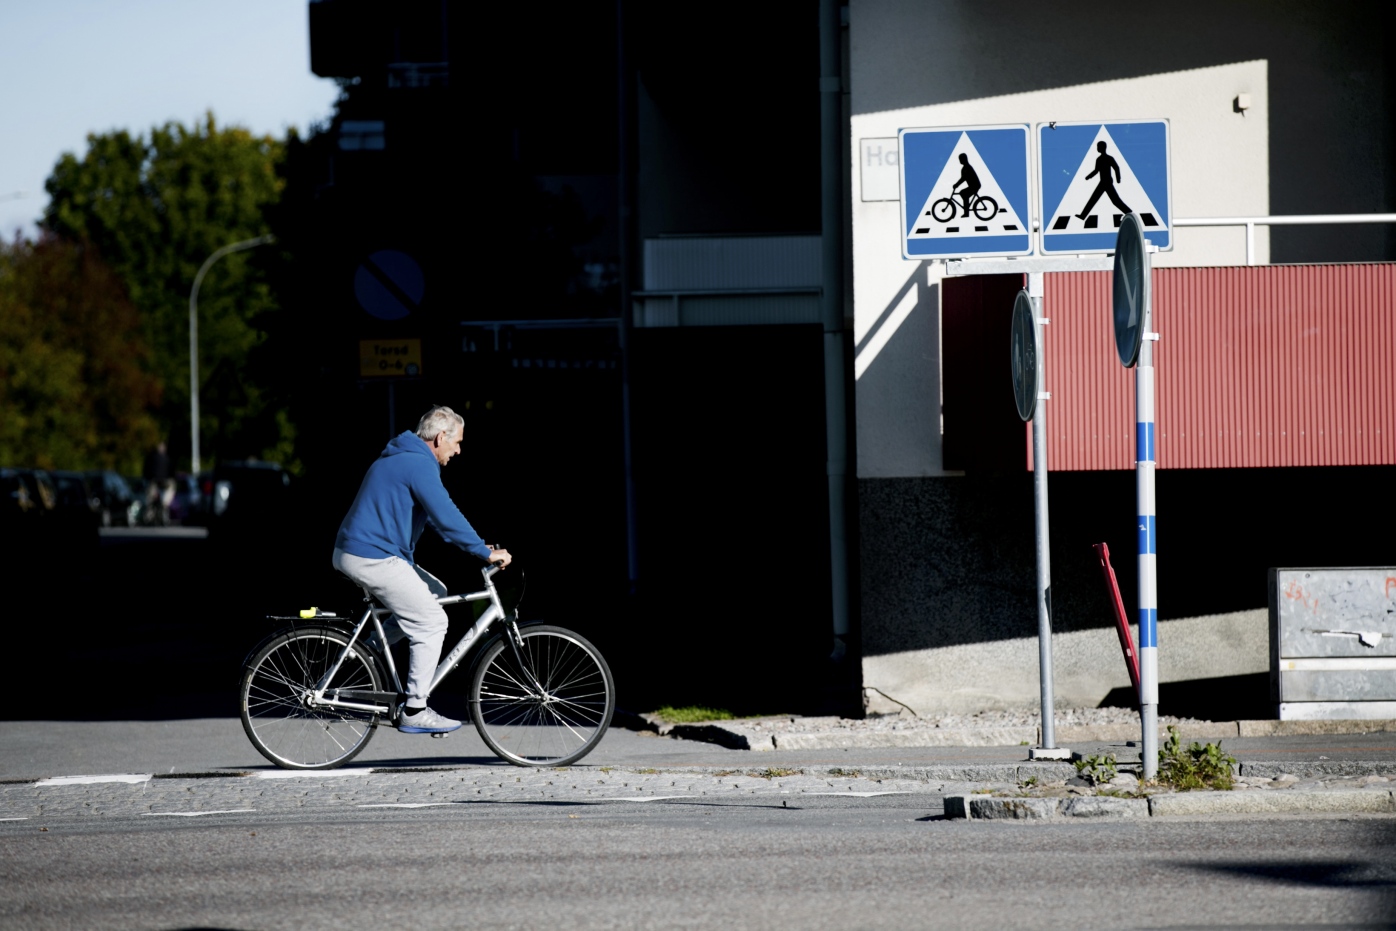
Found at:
[400, 494]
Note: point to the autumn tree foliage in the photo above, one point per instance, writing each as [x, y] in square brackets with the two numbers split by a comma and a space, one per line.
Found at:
[75, 389]
[155, 207]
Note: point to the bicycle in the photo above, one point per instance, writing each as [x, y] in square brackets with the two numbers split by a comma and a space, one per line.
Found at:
[312, 695]
[945, 209]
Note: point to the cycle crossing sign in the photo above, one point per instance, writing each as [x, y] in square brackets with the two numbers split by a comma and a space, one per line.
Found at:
[1094, 174]
[964, 191]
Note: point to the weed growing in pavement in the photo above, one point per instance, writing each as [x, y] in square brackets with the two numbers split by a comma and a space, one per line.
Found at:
[724, 773]
[607, 769]
[772, 772]
[847, 773]
[646, 772]
[692, 714]
[1194, 766]
[1028, 783]
[1097, 768]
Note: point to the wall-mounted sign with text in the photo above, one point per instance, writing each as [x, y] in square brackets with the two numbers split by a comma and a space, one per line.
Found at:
[390, 358]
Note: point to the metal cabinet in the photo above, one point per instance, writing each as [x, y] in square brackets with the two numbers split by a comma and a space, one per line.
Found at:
[1333, 643]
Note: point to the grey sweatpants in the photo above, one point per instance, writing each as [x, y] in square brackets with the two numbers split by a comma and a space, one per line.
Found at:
[410, 592]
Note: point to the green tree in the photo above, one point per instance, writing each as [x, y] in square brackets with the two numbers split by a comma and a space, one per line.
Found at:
[155, 208]
[74, 392]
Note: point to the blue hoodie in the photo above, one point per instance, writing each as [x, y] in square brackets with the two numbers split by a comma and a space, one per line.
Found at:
[400, 494]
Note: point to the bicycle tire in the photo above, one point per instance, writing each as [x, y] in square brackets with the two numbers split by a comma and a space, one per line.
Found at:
[946, 214]
[275, 679]
[559, 727]
[990, 208]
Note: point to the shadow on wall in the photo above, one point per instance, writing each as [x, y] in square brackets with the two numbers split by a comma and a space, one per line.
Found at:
[955, 556]
[1243, 698]
[896, 364]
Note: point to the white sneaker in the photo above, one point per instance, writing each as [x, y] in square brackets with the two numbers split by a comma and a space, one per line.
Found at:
[426, 721]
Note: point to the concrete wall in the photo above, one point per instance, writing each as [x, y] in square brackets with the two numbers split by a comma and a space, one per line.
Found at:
[947, 564]
[1087, 665]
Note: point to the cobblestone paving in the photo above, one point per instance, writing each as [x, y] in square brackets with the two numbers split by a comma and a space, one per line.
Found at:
[173, 796]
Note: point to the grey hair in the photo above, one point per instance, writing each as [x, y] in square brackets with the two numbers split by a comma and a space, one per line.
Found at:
[438, 420]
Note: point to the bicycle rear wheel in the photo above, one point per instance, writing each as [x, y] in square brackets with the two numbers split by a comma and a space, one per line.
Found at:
[548, 703]
[273, 699]
[943, 210]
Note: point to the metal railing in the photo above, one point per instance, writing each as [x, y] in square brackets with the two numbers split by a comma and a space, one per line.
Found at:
[1315, 219]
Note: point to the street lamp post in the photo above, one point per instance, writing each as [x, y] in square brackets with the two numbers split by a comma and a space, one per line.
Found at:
[194, 339]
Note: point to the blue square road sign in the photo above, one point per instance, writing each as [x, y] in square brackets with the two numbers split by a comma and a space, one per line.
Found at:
[965, 192]
[1093, 174]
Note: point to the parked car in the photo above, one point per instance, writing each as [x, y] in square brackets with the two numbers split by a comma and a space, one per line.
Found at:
[78, 510]
[247, 495]
[188, 507]
[118, 502]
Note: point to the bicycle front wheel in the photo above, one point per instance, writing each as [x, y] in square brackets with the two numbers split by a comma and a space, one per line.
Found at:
[275, 699]
[546, 703]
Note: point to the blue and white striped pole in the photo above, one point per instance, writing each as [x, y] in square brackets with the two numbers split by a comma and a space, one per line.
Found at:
[1145, 461]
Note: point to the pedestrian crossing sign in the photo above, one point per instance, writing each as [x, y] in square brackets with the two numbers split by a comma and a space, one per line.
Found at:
[1093, 174]
[965, 192]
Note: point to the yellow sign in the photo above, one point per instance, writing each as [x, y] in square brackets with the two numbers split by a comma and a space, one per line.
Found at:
[393, 358]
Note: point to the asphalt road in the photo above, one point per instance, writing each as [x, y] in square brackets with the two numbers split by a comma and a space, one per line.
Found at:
[836, 863]
[36, 749]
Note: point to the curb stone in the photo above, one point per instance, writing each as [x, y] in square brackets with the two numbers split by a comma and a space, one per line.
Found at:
[939, 737]
[737, 735]
[1104, 807]
[1243, 802]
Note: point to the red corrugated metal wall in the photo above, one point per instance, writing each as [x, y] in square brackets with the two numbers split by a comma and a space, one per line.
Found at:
[1281, 365]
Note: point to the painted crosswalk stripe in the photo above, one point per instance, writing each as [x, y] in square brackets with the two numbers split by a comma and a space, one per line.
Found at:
[196, 814]
[310, 773]
[860, 794]
[131, 778]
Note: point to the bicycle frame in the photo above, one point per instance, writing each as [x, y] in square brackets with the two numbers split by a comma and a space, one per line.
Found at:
[355, 700]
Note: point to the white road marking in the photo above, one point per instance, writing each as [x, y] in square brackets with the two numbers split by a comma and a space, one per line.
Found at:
[405, 804]
[859, 794]
[196, 814]
[90, 780]
[310, 773]
[14, 819]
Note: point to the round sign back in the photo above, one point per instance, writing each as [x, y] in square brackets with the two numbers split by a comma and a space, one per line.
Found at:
[1024, 356]
[1131, 289]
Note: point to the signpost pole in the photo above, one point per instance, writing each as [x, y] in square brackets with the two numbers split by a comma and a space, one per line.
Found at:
[1039, 482]
[1145, 460]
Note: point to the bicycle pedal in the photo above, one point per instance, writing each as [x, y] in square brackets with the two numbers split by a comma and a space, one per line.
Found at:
[439, 736]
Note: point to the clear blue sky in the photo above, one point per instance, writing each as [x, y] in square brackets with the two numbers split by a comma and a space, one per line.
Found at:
[73, 67]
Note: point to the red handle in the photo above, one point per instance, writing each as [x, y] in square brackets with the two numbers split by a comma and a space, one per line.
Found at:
[1102, 552]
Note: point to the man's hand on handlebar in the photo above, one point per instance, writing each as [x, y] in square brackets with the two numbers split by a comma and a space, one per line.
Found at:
[500, 557]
